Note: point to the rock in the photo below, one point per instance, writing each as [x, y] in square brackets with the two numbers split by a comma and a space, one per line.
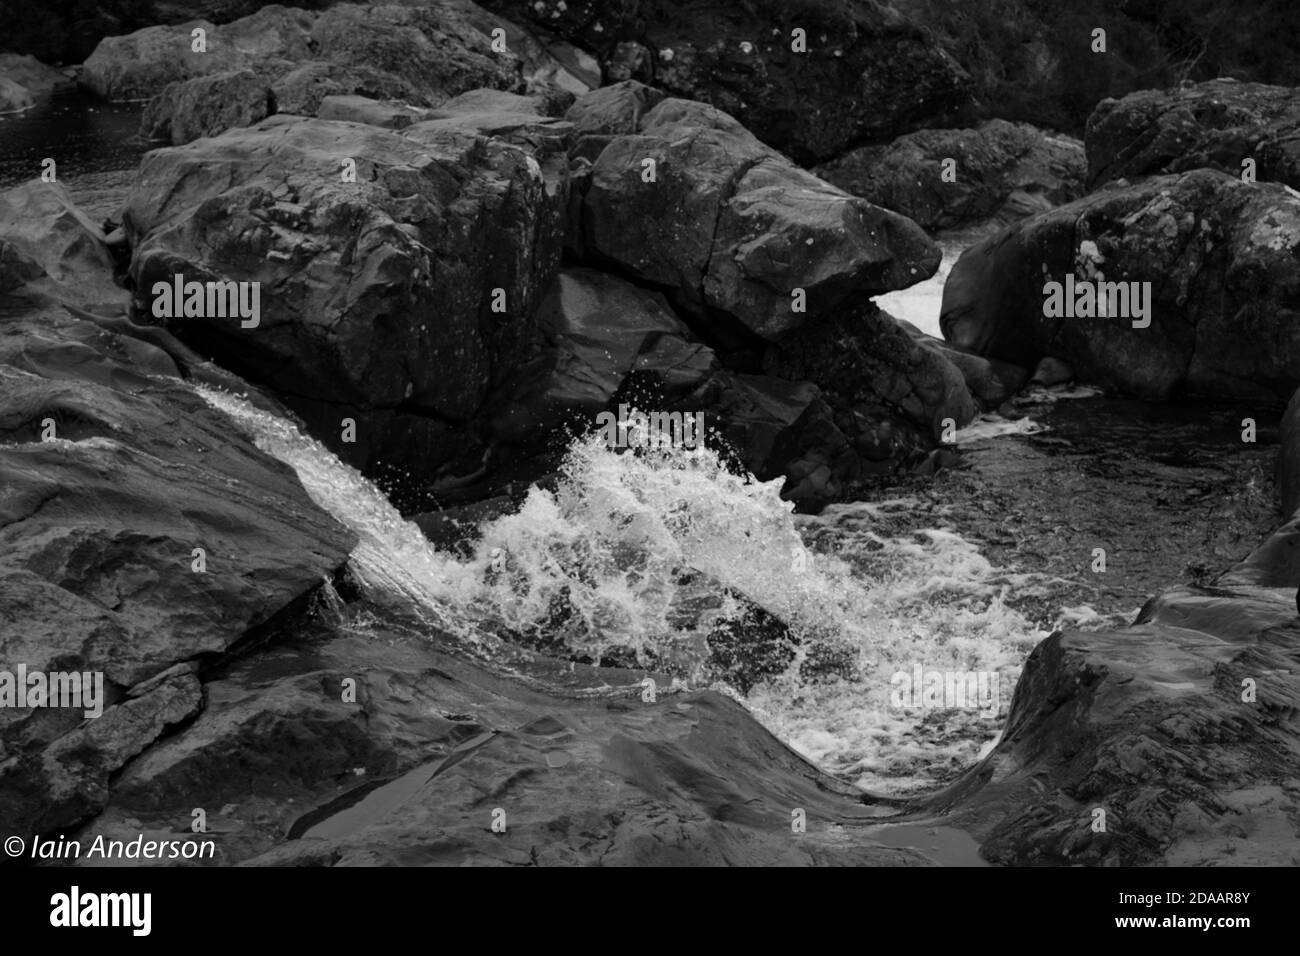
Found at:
[890, 395]
[1217, 253]
[868, 71]
[691, 779]
[508, 117]
[1171, 726]
[115, 549]
[24, 80]
[630, 61]
[14, 98]
[1184, 770]
[141, 64]
[989, 381]
[596, 330]
[613, 110]
[114, 473]
[70, 786]
[1217, 124]
[360, 109]
[1051, 371]
[548, 63]
[730, 226]
[421, 54]
[1003, 171]
[301, 90]
[31, 73]
[377, 297]
[205, 106]
[40, 223]
[774, 428]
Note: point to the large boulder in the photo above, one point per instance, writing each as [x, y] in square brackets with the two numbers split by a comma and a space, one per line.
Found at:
[1002, 171]
[397, 300]
[1148, 729]
[865, 70]
[140, 538]
[1218, 255]
[1218, 124]
[697, 205]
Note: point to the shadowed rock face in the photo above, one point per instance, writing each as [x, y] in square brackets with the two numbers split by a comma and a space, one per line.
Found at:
[1213, 125]
[869, 71]
[377, 296]
[594, 331]
[408, 300]
[1219, 255]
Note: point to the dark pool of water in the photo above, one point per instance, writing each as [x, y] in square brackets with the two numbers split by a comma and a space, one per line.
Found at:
[94, 144]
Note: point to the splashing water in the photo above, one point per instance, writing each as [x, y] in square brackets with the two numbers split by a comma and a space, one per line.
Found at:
[608, 558]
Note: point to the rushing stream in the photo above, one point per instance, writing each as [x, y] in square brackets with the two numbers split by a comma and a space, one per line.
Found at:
[610, 544]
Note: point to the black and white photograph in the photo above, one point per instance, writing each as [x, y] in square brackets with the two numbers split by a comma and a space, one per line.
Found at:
[650, 433]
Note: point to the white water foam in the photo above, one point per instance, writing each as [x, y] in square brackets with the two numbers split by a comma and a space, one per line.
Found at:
[920, 304]
[599, 562]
